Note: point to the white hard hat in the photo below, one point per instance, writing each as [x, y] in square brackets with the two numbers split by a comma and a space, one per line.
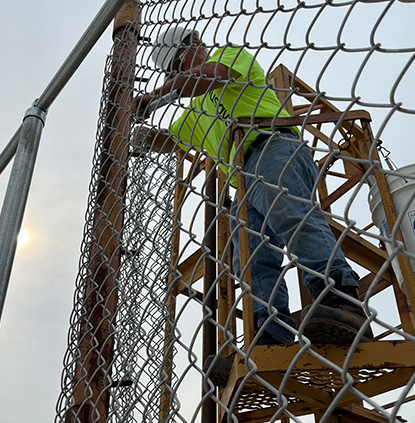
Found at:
[169, 43]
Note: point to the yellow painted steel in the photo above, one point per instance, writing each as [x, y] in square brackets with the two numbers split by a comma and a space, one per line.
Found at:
[248, 310]
[313, 384]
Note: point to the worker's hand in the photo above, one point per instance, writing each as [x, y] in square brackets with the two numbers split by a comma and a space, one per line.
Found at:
[140, 104]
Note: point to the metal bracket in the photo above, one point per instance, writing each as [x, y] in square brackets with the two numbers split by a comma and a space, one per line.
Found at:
[35, 111]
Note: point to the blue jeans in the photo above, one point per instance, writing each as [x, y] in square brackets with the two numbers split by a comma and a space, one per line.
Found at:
[276, 222]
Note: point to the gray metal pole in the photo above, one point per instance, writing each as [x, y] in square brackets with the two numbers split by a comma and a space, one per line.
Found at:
[10, 150]
[91, 35]
[17, 192]
[25, 143]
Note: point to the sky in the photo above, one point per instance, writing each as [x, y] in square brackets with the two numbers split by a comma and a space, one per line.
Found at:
[38, 37]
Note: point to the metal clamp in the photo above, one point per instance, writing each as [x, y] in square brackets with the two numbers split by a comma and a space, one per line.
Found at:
[35, 111]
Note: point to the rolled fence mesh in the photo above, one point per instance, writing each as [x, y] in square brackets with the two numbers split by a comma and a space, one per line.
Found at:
[138, 340]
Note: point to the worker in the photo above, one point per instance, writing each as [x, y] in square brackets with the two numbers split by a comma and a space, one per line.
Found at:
[281, 177]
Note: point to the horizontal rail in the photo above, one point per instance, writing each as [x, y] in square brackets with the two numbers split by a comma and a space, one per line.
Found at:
[307, 119]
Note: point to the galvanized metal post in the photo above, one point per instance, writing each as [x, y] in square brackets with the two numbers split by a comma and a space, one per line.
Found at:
[17, 192]
[25, 142]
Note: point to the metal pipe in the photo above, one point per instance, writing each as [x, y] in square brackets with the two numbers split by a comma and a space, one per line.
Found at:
[10, 150]
[92, 382]
[91, 35]
[17, 192]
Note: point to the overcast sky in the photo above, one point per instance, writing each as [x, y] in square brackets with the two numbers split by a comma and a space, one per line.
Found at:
[37, 37]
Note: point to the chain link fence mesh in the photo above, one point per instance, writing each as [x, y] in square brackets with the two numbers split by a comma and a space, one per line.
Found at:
[135, 339]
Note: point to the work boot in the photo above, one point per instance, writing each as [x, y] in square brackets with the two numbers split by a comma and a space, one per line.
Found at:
[336, 320]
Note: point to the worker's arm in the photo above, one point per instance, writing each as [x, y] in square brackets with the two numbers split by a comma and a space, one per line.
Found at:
[195, 82]
[192, 83]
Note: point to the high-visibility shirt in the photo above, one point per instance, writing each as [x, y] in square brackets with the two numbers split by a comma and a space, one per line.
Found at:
[207, 123]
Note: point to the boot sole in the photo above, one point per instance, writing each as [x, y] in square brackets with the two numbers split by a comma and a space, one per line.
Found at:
[323, 331]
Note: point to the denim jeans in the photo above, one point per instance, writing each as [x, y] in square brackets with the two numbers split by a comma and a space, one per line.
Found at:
[278, 221]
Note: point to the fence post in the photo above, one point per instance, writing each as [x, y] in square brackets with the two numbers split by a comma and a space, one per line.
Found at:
[17, 192]
[93, 374]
